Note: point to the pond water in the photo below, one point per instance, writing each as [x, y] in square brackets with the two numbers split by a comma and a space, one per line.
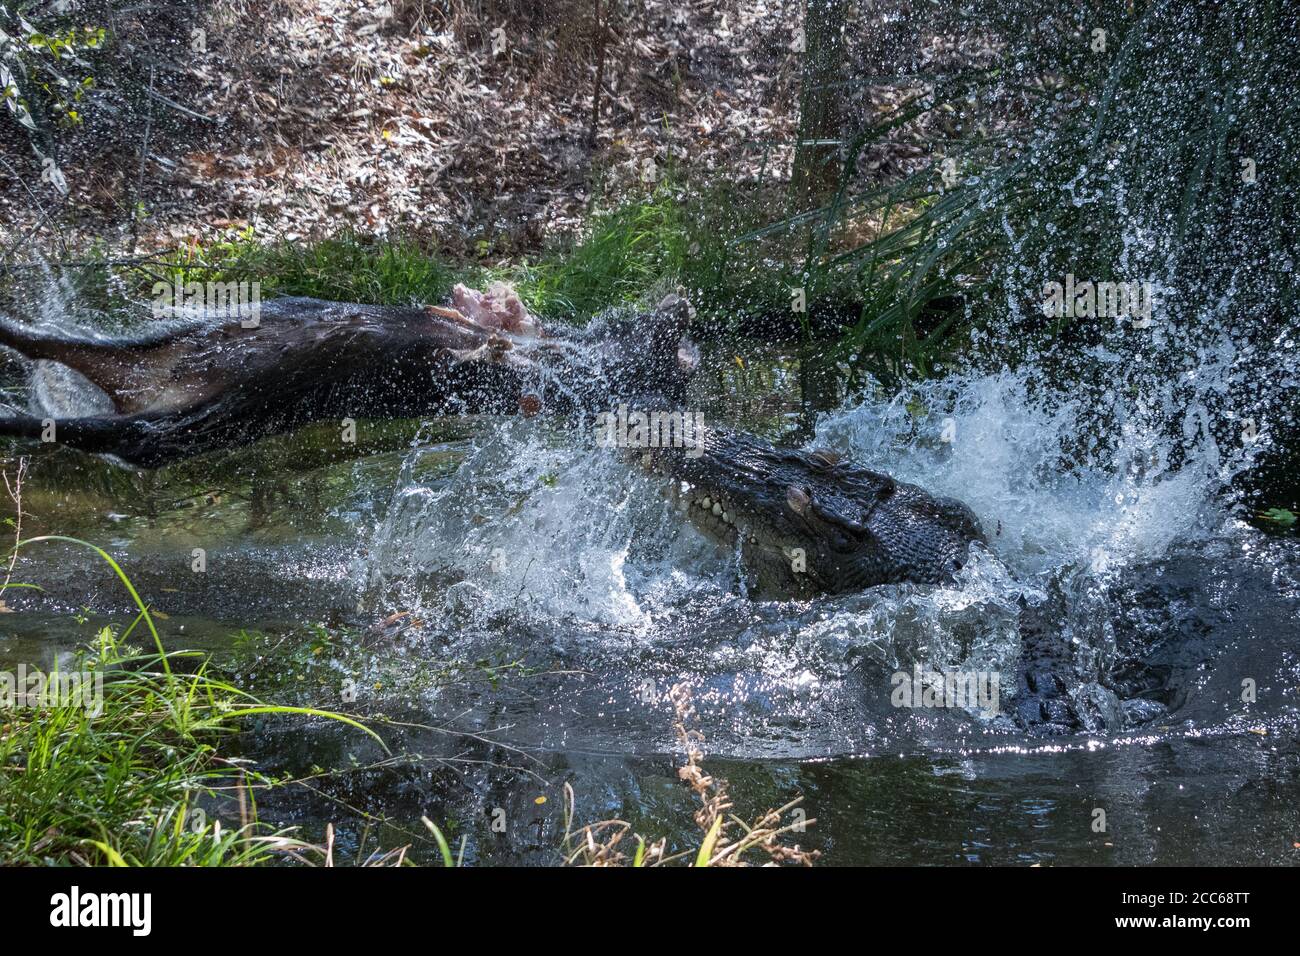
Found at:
[515, 605]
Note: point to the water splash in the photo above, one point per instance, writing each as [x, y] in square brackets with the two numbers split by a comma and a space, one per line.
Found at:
[537, 533]
[1050, 495]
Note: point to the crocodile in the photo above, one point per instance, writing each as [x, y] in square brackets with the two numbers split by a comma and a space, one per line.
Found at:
[808, 522]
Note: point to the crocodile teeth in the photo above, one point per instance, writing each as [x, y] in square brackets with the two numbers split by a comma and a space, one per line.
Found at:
[726, 516]
[717, 508]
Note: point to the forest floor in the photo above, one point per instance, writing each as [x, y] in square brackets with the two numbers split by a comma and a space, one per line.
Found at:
[468, 125]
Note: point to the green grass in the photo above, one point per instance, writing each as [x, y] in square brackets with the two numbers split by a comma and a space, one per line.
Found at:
[672, 236]
[124, 787]
[1279, 518]
[143, 779]
[624, 253]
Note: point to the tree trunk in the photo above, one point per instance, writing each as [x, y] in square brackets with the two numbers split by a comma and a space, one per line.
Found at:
[817, 157]
[600, 35]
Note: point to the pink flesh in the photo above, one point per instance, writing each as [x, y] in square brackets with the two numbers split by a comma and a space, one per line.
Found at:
[498, 308]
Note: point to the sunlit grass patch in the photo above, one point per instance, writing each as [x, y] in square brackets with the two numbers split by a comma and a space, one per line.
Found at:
[136, 774]
[143, 782]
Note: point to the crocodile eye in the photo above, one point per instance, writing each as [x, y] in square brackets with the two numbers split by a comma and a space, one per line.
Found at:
[826, 457]
[797, 499]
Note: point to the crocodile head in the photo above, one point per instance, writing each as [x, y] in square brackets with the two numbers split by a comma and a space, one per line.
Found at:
[806, 523]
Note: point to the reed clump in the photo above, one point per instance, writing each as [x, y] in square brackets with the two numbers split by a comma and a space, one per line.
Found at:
[726, 839]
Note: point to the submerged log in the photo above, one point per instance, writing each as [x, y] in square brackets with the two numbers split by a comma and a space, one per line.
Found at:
[211, 384]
